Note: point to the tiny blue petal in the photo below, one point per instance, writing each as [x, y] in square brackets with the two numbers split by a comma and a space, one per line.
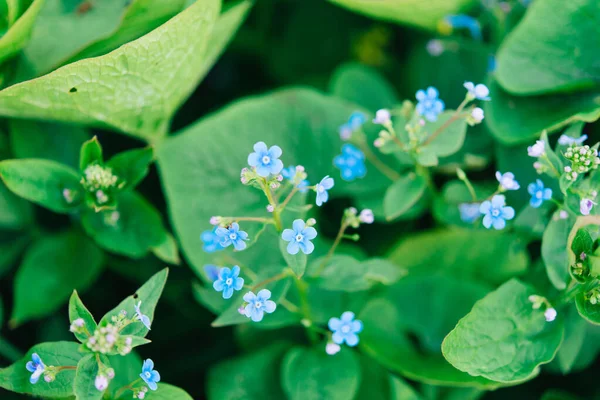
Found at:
[429, 105]
[228, 281]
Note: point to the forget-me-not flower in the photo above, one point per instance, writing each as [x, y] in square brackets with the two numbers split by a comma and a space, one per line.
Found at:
[355, 121]
[212, 242]
[496, 212]
[351, 163]
[232, 235]
[266, 160]
[479, 91]
[258, 305]
[507, 181]
[429, 105]
[537, 150]
[565, 140]
[149, 375]
[299, 237]
[538, 193]
[463, 21]
[228, 281]
[321, 188]
[289, 173]
[36, 367]
[141, 317]
[345, 329]
[469, 212]
[585, 206]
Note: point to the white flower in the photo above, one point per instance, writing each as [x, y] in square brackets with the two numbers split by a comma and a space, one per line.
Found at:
[507, 181]
[477, 115]
[563, 214]
[366, 216]
[332, 348]
[479, 91]
[101, 382]
[585, 206]
[435, 47]
[537, 150]
[550, 314]
[382, 117]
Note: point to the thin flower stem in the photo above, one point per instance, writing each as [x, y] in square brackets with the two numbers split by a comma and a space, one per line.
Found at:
[380, 165]
[290, 306]
[66, 367]
[288, 199]
[250, 219]
[446, 124]
[463, 177]
[335, 244]
[273, 202]
[233, 261]
[305, 307]
[272, 279]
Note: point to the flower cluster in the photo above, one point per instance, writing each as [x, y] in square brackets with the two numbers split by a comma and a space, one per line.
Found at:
[351, 163]
[107, 339]
[99, 180]
[355, 123]
[583, 159]
[429, 105]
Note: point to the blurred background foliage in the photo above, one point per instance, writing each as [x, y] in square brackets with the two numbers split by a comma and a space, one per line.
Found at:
[313, 43]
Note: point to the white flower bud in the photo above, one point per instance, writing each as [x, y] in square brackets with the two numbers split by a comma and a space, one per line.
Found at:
[332, 348]
[366, 216]
[101, 382]
[550, 314]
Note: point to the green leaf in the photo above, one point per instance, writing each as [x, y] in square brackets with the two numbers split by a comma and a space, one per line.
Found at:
[362, 85]
[15, 213]
[43, 182]
[253, 376]
[302, 122]
[133, 229]
[148, 294]
[18, 35]
[10, 251]
[544, 54]
[91, 153]
[131, 166]
[78, 310]
[582, 243]
[345, 273]
[450, 140]
[168, 250]
[403, 194]
[16, 377]
[503, 338]
[147, 80]
[554, 250]
[555, 394]
[521, 119]
[575, 333]
[52, 268]
[425, 309]
[297, 262]
[84, 386]
[453, 194]
[589, 311]
[462, 253]
[167, 392]
[411, 12]
[312, 374]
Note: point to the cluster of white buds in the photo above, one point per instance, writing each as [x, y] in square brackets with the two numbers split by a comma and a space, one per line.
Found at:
[105, 375]
[140, 393]
[104, 339]
[537, 302]
[583, 159]
[354, 219]
[120, 320]
[97, 177]
[77, 326]
[50, 373]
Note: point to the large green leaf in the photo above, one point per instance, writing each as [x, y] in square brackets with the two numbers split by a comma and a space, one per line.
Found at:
[553, 49]
[418, 13]
[483, 256]
[402, 195]
[200, 167]
[520, 119]
[136, 89]
[16, 377]
[313, 374]
[554, 250]
[51, 269]
[503, 338]
[84, 384]
[18, 34]
[575, 334]
[251, 377]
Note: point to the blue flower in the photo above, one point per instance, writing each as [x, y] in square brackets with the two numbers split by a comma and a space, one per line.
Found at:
[299, 237]
[345, 329]
[538, 193]
[355, 121]
[496, 213]
[36, 367]
[429, 105]
[351, 163]
[149, 375]
[461, 21]
[211, 241]
[141, 317]
[565, 140]
[212, 272]
[266, 161]
[289, 173]
[232, 235]
[321, 188]
[258, 305]
[469, 212]
[507, 181]
[228, 281]
[479, 91]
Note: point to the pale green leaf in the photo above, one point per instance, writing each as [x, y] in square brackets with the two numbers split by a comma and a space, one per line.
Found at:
[18, 35]
[78, 310]
[297, 262]
[84, 386]
[554, 250]
[403, 194]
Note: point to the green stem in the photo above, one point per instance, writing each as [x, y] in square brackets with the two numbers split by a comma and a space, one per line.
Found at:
[129, 386]
[446, 124]
[305, 307]
[463, 177]
[372, 157]
[272, 279]
[335, 244]
[271, 199]
[9, 351]
[288, 199]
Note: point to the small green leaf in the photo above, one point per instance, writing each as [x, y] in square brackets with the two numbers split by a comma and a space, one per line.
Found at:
[503, 338]
[15, 212]
[297, 262]
[91, 153]
[52, 268]
[133, 229]
[403, 194]
[16, 377]
[582, 243]
[84, 386]
[451, 139]
[78, 310]
[589, 311]
[43, 182]
[166, 392]
[131, 166]
[168, 250]
[575, 332]
[148, 295]
[554, 250]
[312, 374]
[18, 35]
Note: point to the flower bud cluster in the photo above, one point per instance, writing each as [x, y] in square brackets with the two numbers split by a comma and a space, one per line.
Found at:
[583, 159]
[354, 219]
